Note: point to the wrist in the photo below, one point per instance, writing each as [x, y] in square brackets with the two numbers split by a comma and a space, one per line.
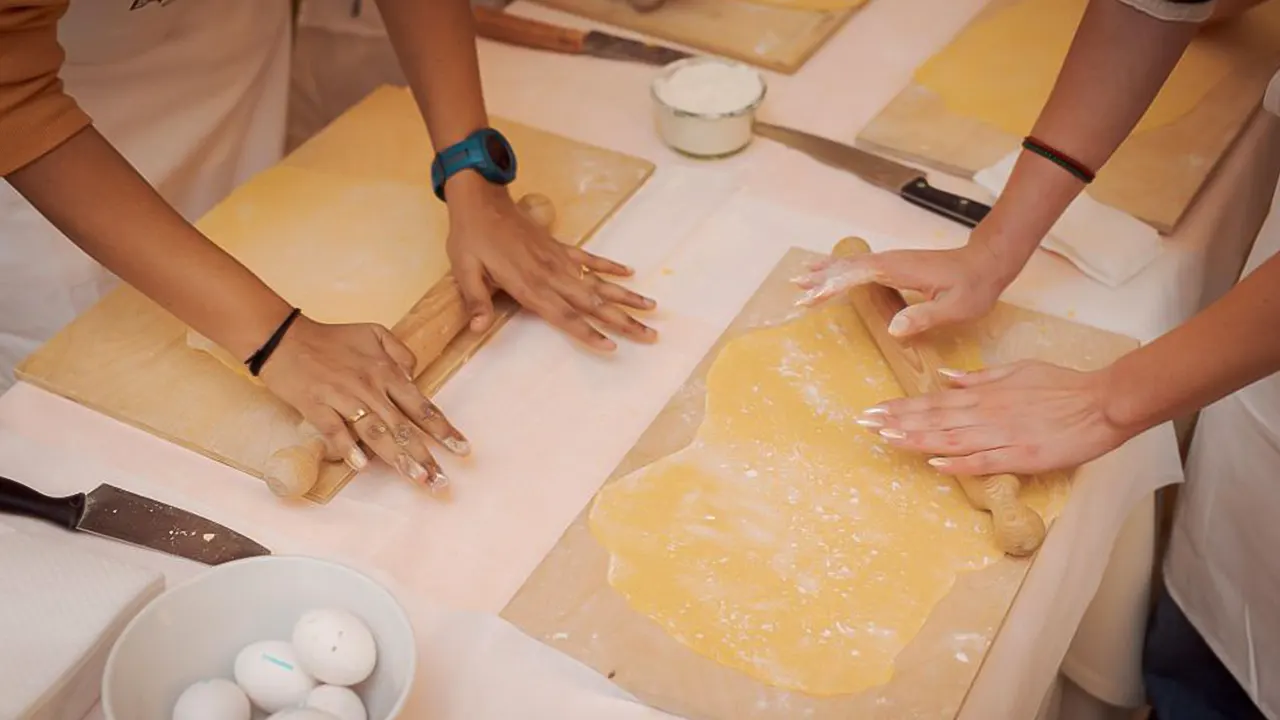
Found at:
[467, 190]
[1125, 399]
[1001, 256]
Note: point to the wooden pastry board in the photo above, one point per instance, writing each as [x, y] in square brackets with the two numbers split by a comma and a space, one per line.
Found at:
[127, 358]
[568, 603]
[768, 36]
[1154, 176]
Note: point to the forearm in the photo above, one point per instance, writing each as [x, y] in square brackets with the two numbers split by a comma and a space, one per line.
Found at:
[92, 194]
[1117, 63]
[435, 42]
[1231, 344]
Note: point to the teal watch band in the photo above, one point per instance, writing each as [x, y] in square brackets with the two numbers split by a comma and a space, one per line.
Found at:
[485, 151]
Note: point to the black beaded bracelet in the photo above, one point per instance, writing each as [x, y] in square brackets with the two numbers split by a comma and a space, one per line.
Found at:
[1066, 162]
[259, 358]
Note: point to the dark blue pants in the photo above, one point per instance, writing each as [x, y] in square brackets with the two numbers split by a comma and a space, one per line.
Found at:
[1184, 679]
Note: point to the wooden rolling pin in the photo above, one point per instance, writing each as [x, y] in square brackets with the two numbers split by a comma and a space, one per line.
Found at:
[1019, 530]
[430, 325]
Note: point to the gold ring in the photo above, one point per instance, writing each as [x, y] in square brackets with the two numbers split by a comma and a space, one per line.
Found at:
[357, 416]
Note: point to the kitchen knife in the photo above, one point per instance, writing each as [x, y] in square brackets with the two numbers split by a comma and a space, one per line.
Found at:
[121, 515]
[515, 30]
[909, 184]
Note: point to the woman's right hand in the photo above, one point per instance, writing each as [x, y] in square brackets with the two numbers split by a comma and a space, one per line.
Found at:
[958, 285]
[354, 383]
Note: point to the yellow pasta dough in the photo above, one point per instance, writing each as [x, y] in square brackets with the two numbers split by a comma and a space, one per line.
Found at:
[1002, 69]
[785, 541]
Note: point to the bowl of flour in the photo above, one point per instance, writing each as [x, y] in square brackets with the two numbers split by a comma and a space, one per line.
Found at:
[705, 107]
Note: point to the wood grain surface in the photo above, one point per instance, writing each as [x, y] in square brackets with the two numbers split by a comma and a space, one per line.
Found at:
[128, 358]
[568, 603]
[772, 37]
[1154, 176]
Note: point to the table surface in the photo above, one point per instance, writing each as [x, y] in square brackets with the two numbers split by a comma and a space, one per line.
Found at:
[530, 478]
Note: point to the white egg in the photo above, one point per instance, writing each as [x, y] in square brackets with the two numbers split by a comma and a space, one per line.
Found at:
[302, 714]
[215, 699]
[335, 646]
[270, 674]
[338, 701]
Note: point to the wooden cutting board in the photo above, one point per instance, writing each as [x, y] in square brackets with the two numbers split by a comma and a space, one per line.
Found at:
[1154, 176]
[769, 36]
[568, 603]
[343, 212]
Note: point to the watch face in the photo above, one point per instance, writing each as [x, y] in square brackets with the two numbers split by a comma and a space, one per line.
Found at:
[498, 152]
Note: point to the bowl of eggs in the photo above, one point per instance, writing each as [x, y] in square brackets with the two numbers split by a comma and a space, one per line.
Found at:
[278, 637]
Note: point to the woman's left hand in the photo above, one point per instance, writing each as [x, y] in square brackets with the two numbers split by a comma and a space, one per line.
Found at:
[494, 245]
[1028, 417]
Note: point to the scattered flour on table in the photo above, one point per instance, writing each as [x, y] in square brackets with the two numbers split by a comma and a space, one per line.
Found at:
[710, 88]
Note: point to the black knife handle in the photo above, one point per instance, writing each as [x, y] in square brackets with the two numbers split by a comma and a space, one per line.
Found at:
[962, 210]
[18, 499]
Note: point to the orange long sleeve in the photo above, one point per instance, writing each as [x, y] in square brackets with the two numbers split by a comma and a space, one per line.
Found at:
[36, 116]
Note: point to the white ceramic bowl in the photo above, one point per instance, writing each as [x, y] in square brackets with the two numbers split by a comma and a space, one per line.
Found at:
[705, 135]
[193, 632]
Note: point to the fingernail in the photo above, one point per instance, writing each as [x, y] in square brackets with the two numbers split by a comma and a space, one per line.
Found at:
[939, 462]
[951, 373]
[899, 325]
[892, 434]
[439, 481]
[650, 303]
[875, 411]
[357, 460]
[869, 422]
[457, 446]
[411, 469]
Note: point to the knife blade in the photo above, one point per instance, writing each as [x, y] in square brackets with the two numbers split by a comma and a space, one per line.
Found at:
[117, 514]
[907, 182]
[516, 30]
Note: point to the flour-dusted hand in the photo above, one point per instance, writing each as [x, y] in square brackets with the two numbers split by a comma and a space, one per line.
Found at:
[493, 245]
[1027, 417]
[347, 379]
[958, 285]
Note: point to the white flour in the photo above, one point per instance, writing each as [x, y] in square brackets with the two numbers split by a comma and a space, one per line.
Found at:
[710, 88]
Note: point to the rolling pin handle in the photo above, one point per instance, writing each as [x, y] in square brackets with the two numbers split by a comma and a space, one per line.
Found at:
[293, 470]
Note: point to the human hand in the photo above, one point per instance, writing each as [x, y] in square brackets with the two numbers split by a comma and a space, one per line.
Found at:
[958, 285]
[347, 379]
[493, 245]
[1027, 417]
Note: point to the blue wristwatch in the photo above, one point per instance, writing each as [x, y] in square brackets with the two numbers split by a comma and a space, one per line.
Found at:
[486, 151]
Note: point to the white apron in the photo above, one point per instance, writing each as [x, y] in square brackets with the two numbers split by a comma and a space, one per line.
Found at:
[192, 92]
[1223, 567]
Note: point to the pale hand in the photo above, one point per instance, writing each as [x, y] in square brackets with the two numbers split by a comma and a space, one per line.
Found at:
[1023, 418]
[493, 245]
[355, 381]
[957, 285]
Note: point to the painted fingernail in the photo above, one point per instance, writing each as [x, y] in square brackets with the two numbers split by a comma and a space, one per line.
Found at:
[357, 460]
[951, 373]
[892, 434]
[899, 325]
[869, 422]
[650, 303]
[457, 445]
[875, 411]
[939, 462]
[411, 469]
[439, 481]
